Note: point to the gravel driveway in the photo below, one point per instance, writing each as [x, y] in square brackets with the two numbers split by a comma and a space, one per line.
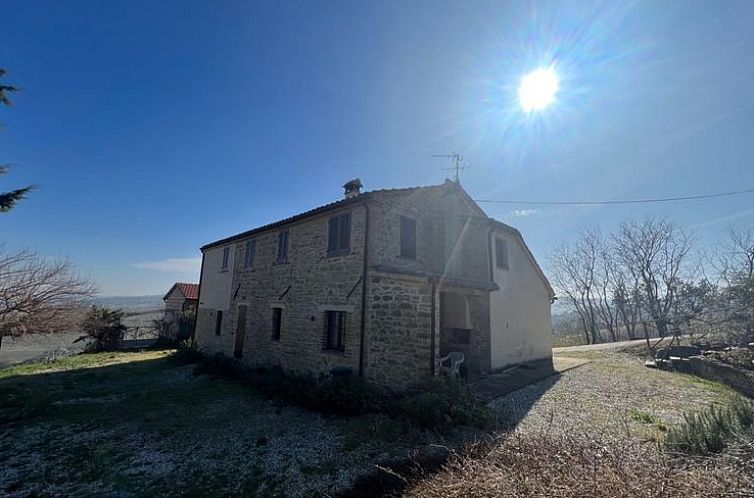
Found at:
[605, 397]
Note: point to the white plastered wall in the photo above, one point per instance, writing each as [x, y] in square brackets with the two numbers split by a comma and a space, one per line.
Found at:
[520, 324]
[216, 283]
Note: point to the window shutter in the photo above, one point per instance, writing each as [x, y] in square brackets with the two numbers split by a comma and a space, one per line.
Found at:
[283, 246]
[408, 237]
[345, 232]
[252, 252]
[332, 244]
[501, 253]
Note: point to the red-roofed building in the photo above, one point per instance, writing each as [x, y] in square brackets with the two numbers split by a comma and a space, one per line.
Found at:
[182, 297]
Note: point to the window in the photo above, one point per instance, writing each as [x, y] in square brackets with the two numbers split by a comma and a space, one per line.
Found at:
[335, 330]
[408, 237]
[249, 253]
[277, 321]
[283, 247]
[501, 253]
[226, 255]
[218, 322]
[339, 235]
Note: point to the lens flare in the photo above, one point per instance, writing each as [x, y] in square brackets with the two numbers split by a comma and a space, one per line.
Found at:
[538, 89]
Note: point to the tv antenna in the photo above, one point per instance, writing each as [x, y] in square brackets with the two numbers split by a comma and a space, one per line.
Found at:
[458, 164]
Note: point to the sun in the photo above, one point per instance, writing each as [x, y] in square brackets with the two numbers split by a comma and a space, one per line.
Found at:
[538, 89]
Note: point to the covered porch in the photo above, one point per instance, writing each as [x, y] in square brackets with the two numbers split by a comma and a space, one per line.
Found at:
[465, 327]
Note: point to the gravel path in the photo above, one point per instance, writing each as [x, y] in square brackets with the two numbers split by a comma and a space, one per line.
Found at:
[604, 397]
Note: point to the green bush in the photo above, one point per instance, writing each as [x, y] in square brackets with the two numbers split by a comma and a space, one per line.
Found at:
[185, 354]
[346, 396]
[442, 404]
[104, 327]
[711, 430]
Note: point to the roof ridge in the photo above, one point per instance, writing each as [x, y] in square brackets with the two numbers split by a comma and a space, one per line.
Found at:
[314, 211]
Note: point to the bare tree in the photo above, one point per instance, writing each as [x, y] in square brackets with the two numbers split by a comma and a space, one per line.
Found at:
[606, 279]
[735, 267]
[734, 258]
[626, 299]
[655, 251]
[37, 294]
[575, 267]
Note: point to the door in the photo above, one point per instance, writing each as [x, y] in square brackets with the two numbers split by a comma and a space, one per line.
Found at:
[240, 332]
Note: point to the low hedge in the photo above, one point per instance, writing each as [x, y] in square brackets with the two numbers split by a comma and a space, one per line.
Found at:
[440, 405]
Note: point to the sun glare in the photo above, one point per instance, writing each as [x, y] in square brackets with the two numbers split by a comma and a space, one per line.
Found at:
[538, 89]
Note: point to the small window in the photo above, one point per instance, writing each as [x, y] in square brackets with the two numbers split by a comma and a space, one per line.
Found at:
[501, 253]
[218, 322]
[339, 235]
[408, 237]
[283, 247]
[226, 256]
[249, 253]
[277, 321]
[335, 330]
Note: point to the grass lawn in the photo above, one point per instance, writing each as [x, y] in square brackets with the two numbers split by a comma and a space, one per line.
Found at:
[137, 424]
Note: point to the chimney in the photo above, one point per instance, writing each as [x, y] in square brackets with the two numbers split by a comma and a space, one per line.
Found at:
[352, 188]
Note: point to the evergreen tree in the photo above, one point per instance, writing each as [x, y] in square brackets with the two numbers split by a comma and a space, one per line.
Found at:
[9, 199]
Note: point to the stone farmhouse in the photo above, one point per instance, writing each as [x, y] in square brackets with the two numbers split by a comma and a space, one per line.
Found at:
[381, 284]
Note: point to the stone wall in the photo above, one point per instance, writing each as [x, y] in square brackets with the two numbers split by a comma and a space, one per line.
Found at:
[304, 287]
[399, 330]
[385, 220]
[399, 298]
[451, 233]
[710, 369]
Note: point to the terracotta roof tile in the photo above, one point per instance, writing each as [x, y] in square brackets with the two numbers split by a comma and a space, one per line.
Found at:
[191, 291]
[321, 209]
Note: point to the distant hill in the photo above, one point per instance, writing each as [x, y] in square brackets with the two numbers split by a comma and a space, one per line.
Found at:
[130, 303]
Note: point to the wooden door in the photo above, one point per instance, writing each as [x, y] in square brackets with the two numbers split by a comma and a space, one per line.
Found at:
[240, 332]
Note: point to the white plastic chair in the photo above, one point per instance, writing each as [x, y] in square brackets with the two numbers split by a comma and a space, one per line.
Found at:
[455, 358]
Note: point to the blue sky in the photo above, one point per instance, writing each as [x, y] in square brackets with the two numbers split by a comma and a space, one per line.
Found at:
[153, 128]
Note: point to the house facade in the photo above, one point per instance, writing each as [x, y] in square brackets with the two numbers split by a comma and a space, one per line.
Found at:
[381, 283]
[182, 297]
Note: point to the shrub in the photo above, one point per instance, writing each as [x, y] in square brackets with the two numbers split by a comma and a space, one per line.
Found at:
[711, 430]
[104, 327]
[185, 354]
[217, 364]
[442, 404]
[346, 396]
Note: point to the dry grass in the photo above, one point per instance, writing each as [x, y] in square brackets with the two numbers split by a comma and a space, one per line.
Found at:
[596, 432]
[566, 465]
